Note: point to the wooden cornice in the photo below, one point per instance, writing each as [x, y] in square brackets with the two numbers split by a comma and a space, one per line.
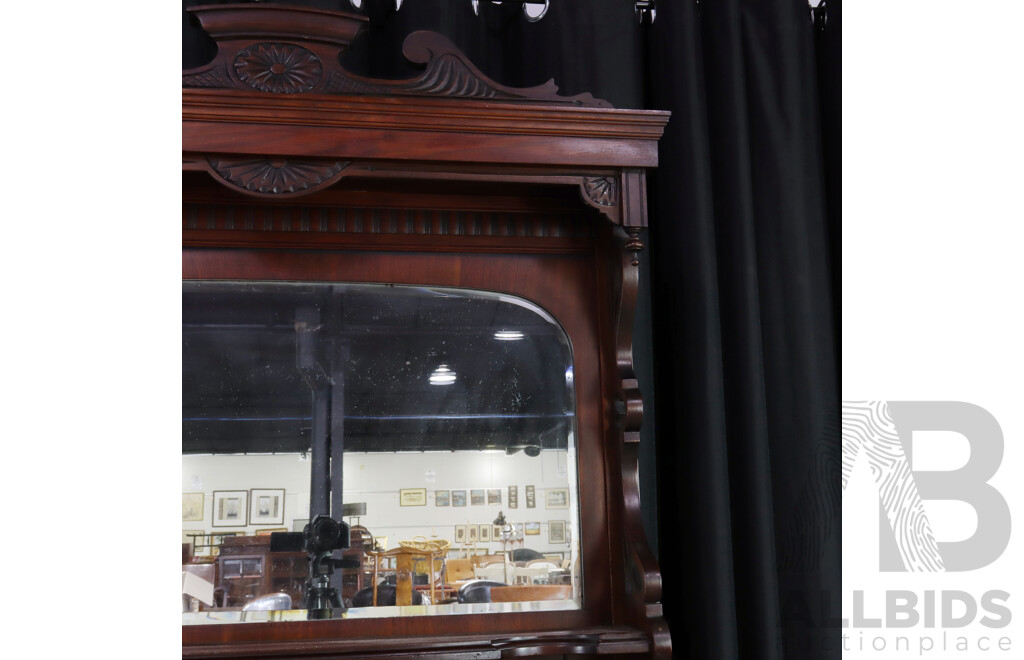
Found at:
[429, 129]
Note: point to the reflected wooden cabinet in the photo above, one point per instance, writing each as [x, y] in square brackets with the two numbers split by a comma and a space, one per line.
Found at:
[247, 569]
[295, 169]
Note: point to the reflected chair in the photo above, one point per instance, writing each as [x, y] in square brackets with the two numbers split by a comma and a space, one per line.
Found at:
[478, 591]
[496, 571]
[531, 573]
[485, 560]
[458, 570]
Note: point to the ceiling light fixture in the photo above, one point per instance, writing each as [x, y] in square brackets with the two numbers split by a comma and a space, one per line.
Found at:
[442, 376]
[508, 335]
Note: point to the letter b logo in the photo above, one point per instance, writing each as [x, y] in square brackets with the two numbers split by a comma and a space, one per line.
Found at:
[883, 430]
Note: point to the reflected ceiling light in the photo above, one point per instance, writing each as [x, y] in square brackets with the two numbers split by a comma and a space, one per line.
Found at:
[568, 375]
[442, 376]
[508, 335]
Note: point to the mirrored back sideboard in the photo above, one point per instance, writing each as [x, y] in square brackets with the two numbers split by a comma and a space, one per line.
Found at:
[403, 215]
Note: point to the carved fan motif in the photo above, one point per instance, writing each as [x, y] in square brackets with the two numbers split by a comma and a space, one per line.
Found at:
[277, 177]
[601, 190]
[280, 68]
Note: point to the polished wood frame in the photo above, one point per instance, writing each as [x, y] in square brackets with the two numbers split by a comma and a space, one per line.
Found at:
[448, 179]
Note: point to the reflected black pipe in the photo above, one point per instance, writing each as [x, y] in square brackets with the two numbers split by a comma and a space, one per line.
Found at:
[320, 461]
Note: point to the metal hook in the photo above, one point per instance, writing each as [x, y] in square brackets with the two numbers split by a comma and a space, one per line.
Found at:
[527, 11]
[358, 4]
[645, 9]
[533, 18]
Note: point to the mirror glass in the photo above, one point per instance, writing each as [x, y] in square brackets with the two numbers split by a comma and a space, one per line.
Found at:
[450, 417]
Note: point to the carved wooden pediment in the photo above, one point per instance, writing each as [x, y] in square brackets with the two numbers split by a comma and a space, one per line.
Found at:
[284, 49]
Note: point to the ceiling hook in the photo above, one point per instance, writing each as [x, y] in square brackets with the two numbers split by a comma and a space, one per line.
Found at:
[358, 4]
[532, 9]
[534, 15]
[645, 9]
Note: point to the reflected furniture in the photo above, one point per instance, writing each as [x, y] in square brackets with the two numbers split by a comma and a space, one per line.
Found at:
[478, 591]
[457, 570]
[402, 562]
[354, 579]
[494, 571]
[534, 571]
[295, 169]
[247, 570]
[197, 586]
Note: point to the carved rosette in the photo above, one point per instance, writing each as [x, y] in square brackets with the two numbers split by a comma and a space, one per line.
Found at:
[285, 177]
[278, 68]
[602, 191]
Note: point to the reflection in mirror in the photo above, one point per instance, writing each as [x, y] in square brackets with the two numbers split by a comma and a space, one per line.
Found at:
[437, 423]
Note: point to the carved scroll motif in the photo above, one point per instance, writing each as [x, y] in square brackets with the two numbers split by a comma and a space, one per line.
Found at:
[268, 177]
[294, 50]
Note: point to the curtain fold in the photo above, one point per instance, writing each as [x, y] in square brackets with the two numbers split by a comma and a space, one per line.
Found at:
[744, 330]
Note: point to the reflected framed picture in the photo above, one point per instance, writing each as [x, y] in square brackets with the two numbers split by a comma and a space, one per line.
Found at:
[192, 507]
[485, 533]
[299, 524]
[412, 497]
[266, 506]
[531, 498]
[556, 498]
[270, 530]
[217, 538]
[230, 507]
[556, 531]
[458, 498]
[513, 497]
[442, 498]
[472, 533]
[494, 496]
[194, 537]
[460, 533]
[495, 532]
[477, 497]
[532, 528]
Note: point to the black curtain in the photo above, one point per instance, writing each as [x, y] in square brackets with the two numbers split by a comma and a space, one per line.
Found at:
[739, 300]
[745, 325]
